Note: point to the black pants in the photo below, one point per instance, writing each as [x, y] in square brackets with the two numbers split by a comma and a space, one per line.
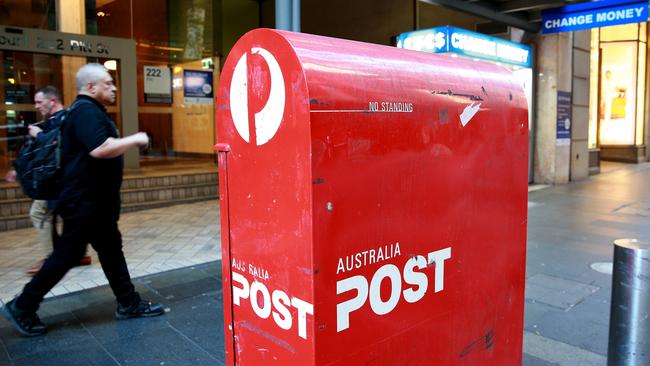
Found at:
[102, 233]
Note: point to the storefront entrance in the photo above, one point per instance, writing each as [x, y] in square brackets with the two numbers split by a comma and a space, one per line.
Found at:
[33, 58]
[618, 97]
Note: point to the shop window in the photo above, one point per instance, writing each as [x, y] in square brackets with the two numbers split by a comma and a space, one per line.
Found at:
[618, 79]
[618, 85]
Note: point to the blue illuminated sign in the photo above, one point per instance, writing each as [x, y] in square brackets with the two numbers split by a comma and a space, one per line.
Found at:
[594, 15]
[456, 40]
[197, 86]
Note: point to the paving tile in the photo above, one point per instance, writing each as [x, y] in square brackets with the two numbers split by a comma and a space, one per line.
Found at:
[66, 304]
[213, 268]
[63, 331]
[86, 284]
[4, 356]
[557, 291]
[164, 347]
[584, 326]
[138, 273]
[184, 283]
[59, 290]
[81, 354]
[534, 361]
[159, 256]
[201, 320]
[99, 321]
[534, 311]
[73, 287]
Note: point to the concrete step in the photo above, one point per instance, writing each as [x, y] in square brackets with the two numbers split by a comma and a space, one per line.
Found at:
[170, 193]
[15, 207]
[15, 222]
[135, 182]
[164, 203]
[138, 193]
[10, 192]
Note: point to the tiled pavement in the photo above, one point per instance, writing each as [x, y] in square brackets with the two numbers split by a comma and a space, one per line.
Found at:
[155, 240]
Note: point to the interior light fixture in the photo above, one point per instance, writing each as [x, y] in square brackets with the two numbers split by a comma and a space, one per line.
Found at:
[111, 65]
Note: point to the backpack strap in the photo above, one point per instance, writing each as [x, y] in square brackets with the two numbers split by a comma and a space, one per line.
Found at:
[72, 107]
[53, 229]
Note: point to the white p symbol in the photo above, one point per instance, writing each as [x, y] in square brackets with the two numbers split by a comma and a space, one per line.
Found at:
[267, 120]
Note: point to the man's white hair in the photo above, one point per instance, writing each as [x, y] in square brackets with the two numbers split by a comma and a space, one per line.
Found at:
[90, 73]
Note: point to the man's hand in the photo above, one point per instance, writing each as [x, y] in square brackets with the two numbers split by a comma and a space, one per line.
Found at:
[33, 131]
[10, 176]
[141, 139]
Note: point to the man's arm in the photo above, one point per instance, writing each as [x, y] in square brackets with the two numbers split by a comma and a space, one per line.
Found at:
[114, 147]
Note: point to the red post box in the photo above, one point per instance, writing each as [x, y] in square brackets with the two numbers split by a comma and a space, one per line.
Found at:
[373, 205]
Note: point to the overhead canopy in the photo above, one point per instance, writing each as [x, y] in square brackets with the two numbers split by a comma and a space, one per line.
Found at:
[522, 14]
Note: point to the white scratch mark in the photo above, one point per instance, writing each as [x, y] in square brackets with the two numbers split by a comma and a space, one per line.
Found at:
[469, 112]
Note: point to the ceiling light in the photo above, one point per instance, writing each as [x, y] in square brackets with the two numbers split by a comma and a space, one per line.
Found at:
[111, 65]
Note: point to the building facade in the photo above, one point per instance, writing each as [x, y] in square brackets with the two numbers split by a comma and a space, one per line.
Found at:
[588, 87]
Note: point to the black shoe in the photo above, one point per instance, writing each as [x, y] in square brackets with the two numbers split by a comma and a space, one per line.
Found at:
[142, 309]
[29, 325]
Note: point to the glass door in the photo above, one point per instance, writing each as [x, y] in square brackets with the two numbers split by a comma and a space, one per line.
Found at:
[617, 96]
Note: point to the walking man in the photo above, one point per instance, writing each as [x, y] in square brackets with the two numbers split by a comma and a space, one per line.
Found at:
[47, 102]
[89, 204]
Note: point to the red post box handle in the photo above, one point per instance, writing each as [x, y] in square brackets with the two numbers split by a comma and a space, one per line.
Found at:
[222, 147]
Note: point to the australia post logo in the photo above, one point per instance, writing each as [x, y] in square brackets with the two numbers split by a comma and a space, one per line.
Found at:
[384, 290]
[257, 121]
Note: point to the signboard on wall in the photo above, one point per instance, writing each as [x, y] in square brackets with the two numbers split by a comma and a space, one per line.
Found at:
[563, 129]
[594, 15]
[463, 42]
[197, 87]
[25, 39]
[157, 84]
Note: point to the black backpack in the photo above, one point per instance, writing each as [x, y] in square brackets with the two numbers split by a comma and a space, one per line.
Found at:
[38, 165]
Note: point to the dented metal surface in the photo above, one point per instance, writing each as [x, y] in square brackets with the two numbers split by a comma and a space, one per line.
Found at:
[373, 207]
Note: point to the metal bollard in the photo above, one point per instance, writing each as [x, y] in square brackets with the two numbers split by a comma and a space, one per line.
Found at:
[629, 323]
